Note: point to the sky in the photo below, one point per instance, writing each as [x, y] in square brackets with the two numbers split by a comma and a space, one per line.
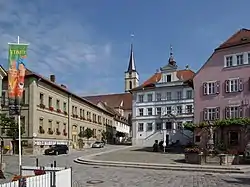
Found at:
[86, 43]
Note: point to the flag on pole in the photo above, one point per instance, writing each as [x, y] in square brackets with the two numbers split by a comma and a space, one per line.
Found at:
[16, 74]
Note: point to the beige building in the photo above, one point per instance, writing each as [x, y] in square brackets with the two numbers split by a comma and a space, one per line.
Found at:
[52, 114]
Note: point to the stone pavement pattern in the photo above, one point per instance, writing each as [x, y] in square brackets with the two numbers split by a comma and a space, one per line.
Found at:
[127, 177]
[135, 154]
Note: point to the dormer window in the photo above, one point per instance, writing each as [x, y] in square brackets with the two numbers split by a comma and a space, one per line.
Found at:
[168, 77]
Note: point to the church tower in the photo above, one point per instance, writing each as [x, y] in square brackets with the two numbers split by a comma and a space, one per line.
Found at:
[131, 75]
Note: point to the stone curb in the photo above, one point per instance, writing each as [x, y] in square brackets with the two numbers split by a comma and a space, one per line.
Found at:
[174, 167]
[161, 167]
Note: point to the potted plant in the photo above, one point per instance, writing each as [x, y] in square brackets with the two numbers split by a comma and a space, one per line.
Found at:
[41, 130]
[42, 106]
[50, 131]
[51, 108]
[64, 132]
[58, 132]
[58, 110]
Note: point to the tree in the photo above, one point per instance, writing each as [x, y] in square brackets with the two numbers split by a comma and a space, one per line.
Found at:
[88, 133]
[10, 126]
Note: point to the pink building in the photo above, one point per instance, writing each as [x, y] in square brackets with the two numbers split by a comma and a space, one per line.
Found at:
[222, 85]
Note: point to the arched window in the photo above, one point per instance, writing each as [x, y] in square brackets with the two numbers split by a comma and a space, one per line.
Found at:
[130, 85]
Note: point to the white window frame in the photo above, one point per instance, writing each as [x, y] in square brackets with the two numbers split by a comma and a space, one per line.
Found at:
[234, 111]
[191, 92]
[211, 87]
[139, 127]
[158, 96]
[140, 111]
[169, 96]
[237, 60]
[150, 125]
[151, 96]
[140, 98]
[179, 109]
[226, 60]
[167, 109]
[148, 111]
[211, 113]
[179, 95]
[160, 111]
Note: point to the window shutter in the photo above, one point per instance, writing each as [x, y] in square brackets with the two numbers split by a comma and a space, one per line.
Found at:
[249, 83]
[240, 85]
[227, 113]
[205, 118]
[226, 86]
[217, 87]
[217, 114]
[204, 88]
[240, 112]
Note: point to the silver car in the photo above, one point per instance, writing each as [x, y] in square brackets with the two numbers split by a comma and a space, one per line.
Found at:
[98, 145]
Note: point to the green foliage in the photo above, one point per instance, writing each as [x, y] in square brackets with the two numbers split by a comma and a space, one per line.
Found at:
[88, 133]
[10, 126]
[218, 123]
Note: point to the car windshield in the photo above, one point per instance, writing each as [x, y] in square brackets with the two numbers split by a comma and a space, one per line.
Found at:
[54, 146]
[98, 142]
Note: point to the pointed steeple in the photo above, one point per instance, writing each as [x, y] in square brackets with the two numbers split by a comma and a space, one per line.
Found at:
[171, 60]
[131, 64]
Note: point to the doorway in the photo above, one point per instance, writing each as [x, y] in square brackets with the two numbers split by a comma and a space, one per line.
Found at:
[167, 139]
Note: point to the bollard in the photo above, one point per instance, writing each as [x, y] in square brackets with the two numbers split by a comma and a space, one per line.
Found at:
[37, 162]
[54, 163]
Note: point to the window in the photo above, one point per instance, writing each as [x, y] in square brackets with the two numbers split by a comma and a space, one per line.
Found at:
[140, 111]
[150, 112]
[83, 114]
[158, 111]
[169, 109]
[141, 98]
[140, 127]
[234, 85]
[57, 104]
[179, 95]
[210, 88]
[64, 106]
[158, 96]
[50, 124]
[41, 122]
[179, 109]
[229, 61]
[168, 125]
[75, 110]
[197, 139]
[158, 126]
[169, 97]
[130, 85]
[168, 78]
[179, 125]
[149, 126]
[41, 98]
[50, 102]
[211, 113]
[239, 59]
[80, 112]
[189, 109]
[150, 97]
[233, 138]
[189, 94]
[233, 112]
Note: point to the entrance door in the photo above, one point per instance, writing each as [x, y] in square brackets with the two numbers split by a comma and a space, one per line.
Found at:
[167, 139]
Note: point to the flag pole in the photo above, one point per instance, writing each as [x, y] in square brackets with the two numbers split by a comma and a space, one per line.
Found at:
[19, 132]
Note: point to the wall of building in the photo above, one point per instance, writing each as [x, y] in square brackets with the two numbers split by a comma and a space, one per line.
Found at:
[214, 70]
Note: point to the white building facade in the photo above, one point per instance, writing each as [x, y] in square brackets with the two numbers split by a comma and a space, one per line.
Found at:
[161, 106]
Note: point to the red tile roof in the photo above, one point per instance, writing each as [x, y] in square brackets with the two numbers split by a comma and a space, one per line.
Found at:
[113, 100]
[29, 73]
[240, 37]
[150, 83]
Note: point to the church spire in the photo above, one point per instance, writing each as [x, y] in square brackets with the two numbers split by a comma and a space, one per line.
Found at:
[171, 60]
[131, 65]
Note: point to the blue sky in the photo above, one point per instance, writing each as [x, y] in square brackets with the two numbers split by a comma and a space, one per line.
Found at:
[85, 43]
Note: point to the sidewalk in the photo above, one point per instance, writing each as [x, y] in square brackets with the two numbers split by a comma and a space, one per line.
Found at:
[133, 157]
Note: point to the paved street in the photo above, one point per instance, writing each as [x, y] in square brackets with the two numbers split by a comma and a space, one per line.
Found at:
[125, 177]
[135, 154]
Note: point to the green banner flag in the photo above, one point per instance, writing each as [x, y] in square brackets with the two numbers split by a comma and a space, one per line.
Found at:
[16, 74]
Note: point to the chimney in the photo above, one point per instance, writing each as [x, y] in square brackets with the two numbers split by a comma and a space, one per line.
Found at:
[52, 78]
[187, 67]
[63, 86]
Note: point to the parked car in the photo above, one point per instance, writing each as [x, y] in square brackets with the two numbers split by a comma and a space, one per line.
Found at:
[98, 144]
[56, 150]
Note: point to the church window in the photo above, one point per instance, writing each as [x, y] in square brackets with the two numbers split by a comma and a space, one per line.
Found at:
[130, 85]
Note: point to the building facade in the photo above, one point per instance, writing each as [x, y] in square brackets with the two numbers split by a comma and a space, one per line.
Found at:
[51, 114]
[222, 85]
[161, 105]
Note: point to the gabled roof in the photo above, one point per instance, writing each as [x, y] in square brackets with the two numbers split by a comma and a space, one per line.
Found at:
[183, 75]
[29, 73]
[239, 38]
[113, 100]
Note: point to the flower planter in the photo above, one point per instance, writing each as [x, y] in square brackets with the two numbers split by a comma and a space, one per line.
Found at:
[193, 158]
[226, 159]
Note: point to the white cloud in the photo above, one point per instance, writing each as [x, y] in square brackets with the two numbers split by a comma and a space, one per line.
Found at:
[58, 42]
